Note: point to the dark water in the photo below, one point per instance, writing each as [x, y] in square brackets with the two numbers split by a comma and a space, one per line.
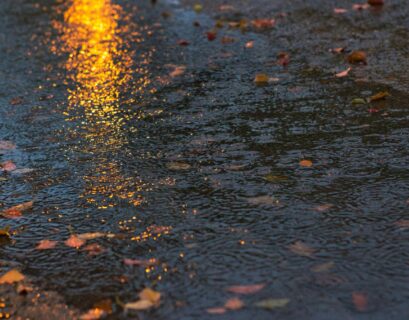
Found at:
[106, 127]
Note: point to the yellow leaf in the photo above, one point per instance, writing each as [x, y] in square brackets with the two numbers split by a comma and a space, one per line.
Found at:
[11, 277]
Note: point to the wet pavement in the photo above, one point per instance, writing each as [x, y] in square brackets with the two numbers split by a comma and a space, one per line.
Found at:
[128, 122]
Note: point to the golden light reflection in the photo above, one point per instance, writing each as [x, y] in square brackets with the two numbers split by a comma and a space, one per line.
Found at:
[104, 80]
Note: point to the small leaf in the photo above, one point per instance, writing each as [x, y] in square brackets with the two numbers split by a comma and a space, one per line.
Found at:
[5, 232]
[340, 10]
[272, 303]
[177, 165]
[274, 178]
[402, 224]
[11, 277]
[261, 79]
[301, 249]
[263, 23]
[263, 200]
[93, 314]
[74, 242]
[359, 6]
[343, 74]
[379, 96]
[94, 249]
[357, 57]
[217, 310]
[6, 145]
[150, 295]
[91, 235]
[246, 289]
[8, 166]
[211, 36]
[360, 301]
[306, 163]
[16, 211]
[324, 267]
[139, 305]
[198, 8]
[358, 101]
[234, 304]
[376, 2]
[46, 244]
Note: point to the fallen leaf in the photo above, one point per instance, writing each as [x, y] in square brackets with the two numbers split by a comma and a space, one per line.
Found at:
[357, 57]
[148, 299]
[340, 10]
[198, 8]
[344, 73]
[177, 165]
[150, 295]
[337, 50]
[94, 249]
[283, 59]
[275, 178]
[301, 249]
[139, 305]
[93, 314]
[306, 163]
[11, 277]
[5, 232]
[16, 211]
[379, 96]
[359, 7]
[234, 304]
[23, 289]
[217, 310]
[7, 145]
[227, 40]
[402, 223]
[23, 171]
[323, 267]
[263, 200]
[376, 2]
[263, 23]
[271, 304]
[249, 44]
[323, 207]
[137, 262]
[46, 244]
[91, 235]
[74, 242]
[8, 166]
[360, 301]
[177, 71]
[261, 79]
[211, 36]
[16, 101]
[358, 101]
[246, 289]
[183, 42]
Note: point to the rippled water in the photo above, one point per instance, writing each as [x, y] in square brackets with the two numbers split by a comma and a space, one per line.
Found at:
[113, 105]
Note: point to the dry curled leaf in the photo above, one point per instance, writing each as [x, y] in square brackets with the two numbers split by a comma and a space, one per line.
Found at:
[11, 277]
[246, 289]
[301, 249]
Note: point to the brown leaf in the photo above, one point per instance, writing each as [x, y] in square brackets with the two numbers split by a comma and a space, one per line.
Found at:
[357, 57]
[150, 295]
[323, 267]
[94, 249]
[246, 289]
[379, 96]
[362, 6]
[74, 242]
[301, 249]
[16, 101]
[46, 244]
[17, 211]
[376, 2]
[137, 262]
[11, 277]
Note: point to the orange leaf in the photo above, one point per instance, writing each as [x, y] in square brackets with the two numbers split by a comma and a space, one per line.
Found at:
[93, 314]
[344, 73]
[306, 163]
[264, 23]
[357, 57]
[74, 242]
[360, 301]
[46, 244]
[379, 96]
[150, 295]
[16, 211]
[246, 289]
[249, 45]
[234, 304]
[11, 277]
